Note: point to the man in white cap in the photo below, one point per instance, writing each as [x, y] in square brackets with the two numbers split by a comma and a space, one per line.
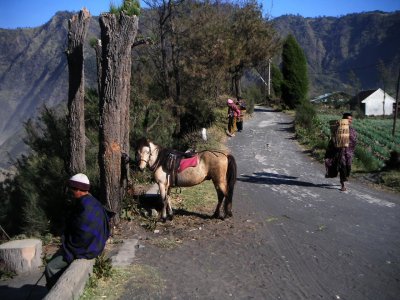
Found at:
[86, 231]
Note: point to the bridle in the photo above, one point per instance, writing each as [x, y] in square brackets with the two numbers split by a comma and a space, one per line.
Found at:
[156, 163]
[145, 161]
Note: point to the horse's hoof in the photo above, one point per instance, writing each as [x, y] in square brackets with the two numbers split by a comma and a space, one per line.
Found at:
[163, 220]
[216, 216]
[228, 214]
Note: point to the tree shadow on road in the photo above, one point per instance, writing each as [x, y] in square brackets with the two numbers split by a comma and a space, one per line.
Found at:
[266, 109]
[278, 179]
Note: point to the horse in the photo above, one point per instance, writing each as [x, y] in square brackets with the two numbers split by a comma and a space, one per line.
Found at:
[215, 165]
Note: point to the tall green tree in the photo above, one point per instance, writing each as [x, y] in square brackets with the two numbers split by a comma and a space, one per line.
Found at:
[294, 71]
[277, 80]
[252, 40]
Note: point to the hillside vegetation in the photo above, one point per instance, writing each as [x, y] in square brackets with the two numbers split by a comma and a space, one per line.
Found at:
[377, 153]
[355, 44]
[33, 66]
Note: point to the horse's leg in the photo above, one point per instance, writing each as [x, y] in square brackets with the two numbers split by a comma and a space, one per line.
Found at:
[163, 194]
[170, 212]
[221, 196]
[231, 174]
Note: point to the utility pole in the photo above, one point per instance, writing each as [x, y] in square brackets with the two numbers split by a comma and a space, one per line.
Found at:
[269, 77]
[396, 106]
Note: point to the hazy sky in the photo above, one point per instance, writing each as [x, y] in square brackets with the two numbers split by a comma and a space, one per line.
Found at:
[32, 13]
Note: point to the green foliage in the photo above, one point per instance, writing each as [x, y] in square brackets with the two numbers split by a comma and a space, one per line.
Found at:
[151, 119]
[366, 158]
[373, 135]
[129, 7]
[277, 80]
[5, 274]
[391, 179]
[35, 194]
[294, 70]
[306, 116]
[199, 113]
[251, 95]
[102, 267]
[35, 199]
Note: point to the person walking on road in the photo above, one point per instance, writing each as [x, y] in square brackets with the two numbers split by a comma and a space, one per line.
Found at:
[242, 106]
[233, 115]
[86, 231]
[339, 160]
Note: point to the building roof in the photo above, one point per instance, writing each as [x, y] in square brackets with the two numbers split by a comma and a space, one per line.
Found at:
[364, 95]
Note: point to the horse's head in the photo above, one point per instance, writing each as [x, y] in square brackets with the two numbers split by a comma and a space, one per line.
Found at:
[143, 153]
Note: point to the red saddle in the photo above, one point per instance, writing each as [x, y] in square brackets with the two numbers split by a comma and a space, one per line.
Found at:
[188, 162]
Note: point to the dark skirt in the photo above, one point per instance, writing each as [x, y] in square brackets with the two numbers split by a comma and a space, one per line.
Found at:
[239, 125]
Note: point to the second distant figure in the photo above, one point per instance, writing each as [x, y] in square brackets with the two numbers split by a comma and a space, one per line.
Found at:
[233, 115]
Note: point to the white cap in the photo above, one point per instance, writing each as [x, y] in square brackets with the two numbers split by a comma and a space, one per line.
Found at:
[79, 181]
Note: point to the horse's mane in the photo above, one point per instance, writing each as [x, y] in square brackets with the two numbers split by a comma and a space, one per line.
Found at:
[142, 142]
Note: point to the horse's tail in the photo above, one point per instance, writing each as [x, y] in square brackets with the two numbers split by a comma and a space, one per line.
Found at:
[231, 174]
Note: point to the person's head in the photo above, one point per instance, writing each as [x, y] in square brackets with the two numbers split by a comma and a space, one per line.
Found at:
[79, 185]
[229, 102]
[348, 116]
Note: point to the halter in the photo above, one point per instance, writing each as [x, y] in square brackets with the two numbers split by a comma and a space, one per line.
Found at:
[156, 163]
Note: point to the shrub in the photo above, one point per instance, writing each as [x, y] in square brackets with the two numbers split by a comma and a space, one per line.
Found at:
[306, 116]
[368, 161]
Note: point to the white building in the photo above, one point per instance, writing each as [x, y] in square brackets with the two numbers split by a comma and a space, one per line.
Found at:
[376, 102]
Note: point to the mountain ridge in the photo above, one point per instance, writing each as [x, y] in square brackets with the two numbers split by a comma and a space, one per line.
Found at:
[334, 46]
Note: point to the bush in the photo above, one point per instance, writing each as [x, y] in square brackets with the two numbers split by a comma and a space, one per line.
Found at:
[306, 116]
[368, 161]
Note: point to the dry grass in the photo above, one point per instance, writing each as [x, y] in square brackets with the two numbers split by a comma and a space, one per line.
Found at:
[141, 278]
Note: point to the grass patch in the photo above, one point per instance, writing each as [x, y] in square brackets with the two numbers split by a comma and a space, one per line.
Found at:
[272, 219]
[167, 243]
[146, 281]
[391, 179]
[199, 198]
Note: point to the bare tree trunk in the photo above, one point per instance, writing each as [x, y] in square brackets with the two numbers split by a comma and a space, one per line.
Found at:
[97, 48]
[164, 16]
[118, 33]
[78, 26]
[175, 53]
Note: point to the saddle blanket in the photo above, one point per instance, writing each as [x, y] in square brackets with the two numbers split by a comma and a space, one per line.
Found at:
[188, 162]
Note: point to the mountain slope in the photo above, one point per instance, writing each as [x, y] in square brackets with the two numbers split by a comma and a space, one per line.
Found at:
[336, 46]
[33, 73]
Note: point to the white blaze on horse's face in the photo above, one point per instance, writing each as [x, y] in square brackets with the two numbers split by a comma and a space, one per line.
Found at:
[144, 157]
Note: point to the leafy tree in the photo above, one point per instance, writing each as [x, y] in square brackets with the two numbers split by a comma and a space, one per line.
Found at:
[35, 194]
[252, 40]
[277, 80]
[294, 70]
[355, 84]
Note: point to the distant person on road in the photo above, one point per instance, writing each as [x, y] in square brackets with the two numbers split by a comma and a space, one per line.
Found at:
[339, 160]
[86, 231]
[242, 106]
[233, 115]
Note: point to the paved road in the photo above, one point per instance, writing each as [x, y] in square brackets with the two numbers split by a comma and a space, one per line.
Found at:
[294, 234]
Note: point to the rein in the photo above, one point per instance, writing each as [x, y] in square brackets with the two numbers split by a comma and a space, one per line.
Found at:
[153, 167]
[214, 152]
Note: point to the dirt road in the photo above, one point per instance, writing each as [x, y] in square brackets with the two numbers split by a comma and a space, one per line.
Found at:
[293, 235]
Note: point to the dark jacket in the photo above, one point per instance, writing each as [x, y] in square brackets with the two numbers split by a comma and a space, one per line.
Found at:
[87, 229]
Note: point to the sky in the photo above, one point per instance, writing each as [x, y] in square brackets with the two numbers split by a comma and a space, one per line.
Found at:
[33, 13]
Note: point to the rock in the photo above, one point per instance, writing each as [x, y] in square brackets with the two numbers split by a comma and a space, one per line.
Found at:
[21, 256]
[72, 281]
